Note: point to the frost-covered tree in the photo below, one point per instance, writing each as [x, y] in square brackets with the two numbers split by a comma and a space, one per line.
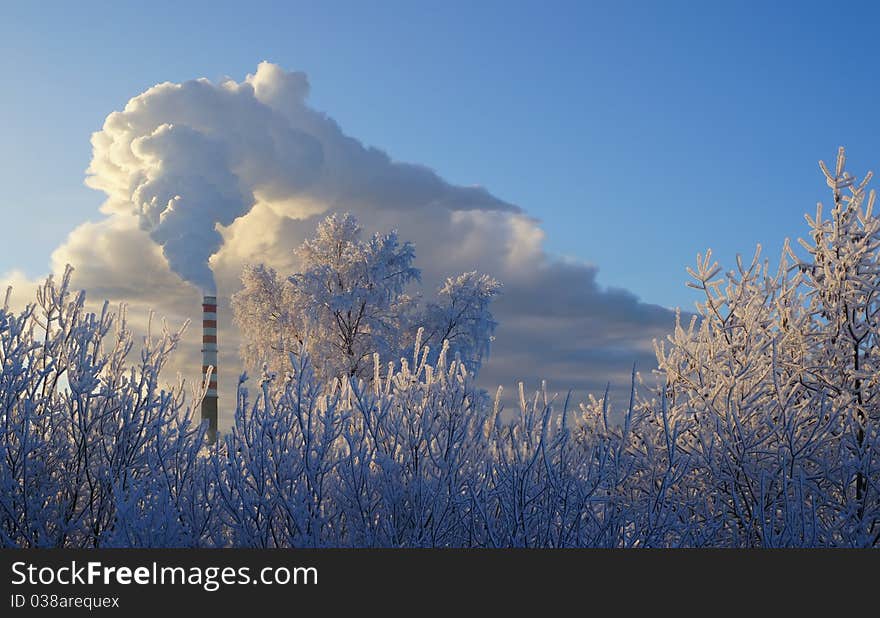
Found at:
[350, 300]
[462, 317]
[774, 387]
[351, 293]
[266, 312]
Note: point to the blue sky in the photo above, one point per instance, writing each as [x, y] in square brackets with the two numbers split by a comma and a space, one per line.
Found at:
[638, 133]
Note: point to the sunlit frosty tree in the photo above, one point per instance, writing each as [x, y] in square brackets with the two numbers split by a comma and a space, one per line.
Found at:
[774, 386]
[350, 300]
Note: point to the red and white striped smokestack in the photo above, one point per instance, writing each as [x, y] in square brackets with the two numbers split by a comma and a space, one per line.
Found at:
[209, 359]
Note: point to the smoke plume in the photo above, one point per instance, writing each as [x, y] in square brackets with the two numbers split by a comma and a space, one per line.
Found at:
[186, 157]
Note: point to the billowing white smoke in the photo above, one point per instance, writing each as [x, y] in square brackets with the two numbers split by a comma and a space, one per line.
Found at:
[186, 157]
[204, 177]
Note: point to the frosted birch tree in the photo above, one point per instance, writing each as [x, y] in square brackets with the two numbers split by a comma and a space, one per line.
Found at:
[350, 300]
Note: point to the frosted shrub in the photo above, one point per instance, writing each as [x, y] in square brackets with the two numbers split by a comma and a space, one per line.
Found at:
[94, 452]
[418, 457]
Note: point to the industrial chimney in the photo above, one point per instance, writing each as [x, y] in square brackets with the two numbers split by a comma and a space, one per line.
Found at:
[209, 359]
